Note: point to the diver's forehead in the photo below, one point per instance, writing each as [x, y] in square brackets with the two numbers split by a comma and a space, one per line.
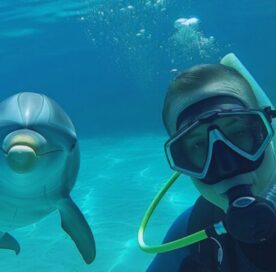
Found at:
[206, 107]
[182, 101]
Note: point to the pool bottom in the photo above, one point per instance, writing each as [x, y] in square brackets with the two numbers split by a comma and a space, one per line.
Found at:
[118, 178]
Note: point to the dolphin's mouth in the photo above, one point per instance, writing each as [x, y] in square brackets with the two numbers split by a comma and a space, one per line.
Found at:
[24, 137]
[21, 158]
[28, 139]
[38, 154]
[22, 149]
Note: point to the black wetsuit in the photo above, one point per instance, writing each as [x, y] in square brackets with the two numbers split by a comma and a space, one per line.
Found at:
[222, 253]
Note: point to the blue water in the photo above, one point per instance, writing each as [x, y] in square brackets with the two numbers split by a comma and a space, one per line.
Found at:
[118, 178]
[108, 64]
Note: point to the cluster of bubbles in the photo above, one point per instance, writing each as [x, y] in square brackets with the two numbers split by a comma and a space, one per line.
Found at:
[189, 42]
[157, 4]
[136, 31]
[130, 29]
[126, 21]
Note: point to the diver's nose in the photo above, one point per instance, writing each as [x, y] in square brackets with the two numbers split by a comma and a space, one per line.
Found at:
[21, 148]
[224, 158]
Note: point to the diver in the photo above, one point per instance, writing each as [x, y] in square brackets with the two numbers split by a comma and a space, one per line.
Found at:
[221, 128]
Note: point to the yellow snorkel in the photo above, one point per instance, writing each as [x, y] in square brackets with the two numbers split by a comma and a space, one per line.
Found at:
[232, 61]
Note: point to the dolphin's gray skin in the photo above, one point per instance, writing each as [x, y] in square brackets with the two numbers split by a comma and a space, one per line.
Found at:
[39, 162]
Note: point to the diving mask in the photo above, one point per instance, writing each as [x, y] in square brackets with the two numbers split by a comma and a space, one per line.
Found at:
[221, 143]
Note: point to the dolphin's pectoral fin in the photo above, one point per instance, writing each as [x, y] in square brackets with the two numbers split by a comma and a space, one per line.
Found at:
[8, 242]
[74, 223]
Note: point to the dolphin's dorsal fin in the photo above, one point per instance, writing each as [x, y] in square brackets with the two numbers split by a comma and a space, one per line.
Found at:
[74, 223]
[8, 242]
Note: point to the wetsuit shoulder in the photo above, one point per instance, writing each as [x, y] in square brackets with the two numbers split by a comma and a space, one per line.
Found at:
[173, 260]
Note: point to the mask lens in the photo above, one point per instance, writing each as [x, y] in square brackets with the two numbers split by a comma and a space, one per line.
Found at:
[190, 150]
[245, 131]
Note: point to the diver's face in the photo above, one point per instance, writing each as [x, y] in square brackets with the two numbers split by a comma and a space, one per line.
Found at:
[237, 130]
[260, 179]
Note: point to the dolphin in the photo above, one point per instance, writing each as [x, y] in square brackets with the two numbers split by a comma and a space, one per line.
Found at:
[39, 162]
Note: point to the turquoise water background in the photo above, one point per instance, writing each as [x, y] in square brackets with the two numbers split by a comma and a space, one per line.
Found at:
[108, 64]
[118, 178]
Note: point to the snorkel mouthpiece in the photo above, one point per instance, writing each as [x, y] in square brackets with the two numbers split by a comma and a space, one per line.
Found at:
[249, 219]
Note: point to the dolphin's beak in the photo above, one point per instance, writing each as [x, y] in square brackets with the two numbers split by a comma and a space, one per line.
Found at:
[21, 158]
[21, 148]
